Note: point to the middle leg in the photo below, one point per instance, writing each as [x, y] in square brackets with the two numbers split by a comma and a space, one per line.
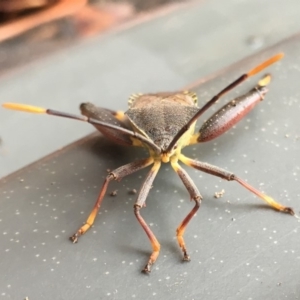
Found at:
[140, 202]
[195, 195]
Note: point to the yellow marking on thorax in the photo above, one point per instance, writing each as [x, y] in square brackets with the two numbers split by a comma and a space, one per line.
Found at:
[194, 138]
[184, 141]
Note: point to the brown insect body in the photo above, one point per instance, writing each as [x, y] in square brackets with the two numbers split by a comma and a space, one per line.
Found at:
[160, 116]
[164, 123]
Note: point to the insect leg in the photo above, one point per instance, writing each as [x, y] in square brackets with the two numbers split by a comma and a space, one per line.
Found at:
[216, 171]
[195, 195]
[215, 98]
[140, 202]
[114, 175]
[231, 113]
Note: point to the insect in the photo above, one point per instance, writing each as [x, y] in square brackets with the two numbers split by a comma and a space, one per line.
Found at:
[164, 123]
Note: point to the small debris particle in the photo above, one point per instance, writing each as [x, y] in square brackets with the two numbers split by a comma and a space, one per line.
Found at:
[287, 135]
[255, 41]
[279, 283]
[219, 194]
[133, 192]
[21, 180]
[114, 193]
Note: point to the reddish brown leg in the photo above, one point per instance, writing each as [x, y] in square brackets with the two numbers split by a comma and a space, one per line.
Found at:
[114, 175]
[195, 195]
[214, 99]
[140, 202]
[231, 113]
[216, 171]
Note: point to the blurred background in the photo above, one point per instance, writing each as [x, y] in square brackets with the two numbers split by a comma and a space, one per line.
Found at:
[33, 28]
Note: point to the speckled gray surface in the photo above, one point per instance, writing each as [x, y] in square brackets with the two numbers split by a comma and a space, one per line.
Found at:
[240, 248]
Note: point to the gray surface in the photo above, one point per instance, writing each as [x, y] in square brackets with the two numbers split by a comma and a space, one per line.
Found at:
[240, 249]
[162, 54]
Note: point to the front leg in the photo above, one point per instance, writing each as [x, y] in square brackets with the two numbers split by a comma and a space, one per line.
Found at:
[195, 195]
[140, 202]
[117, 174]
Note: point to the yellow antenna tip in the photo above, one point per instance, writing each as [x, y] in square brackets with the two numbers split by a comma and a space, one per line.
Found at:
[24, 107]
